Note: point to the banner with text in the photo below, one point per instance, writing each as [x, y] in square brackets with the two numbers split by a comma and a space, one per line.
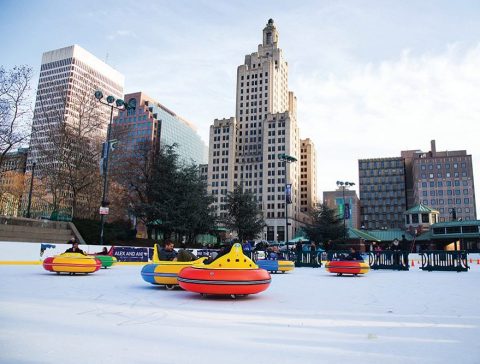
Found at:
[131, 254]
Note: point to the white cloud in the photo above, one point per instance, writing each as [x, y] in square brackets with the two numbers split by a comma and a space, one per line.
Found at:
[377, 110]
[121, 33]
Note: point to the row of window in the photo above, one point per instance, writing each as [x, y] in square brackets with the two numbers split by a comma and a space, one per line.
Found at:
[271, 206]
[271, 215]
[456, 183]
[253, 83]
[217, 146]
[255, 75]
[450, 201]
[366, 210]
[381, 180]
[441, 192]
[424, 167]
[382, 188]
[440, 175]
[383, 164]
[219, 130]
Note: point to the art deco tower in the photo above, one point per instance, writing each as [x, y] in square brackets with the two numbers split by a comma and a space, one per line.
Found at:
[244, 150]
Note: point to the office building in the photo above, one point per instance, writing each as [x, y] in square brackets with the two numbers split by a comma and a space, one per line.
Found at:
[155, 124]
[247, 149]
[442, 180]
[382, 192]
[64, 102]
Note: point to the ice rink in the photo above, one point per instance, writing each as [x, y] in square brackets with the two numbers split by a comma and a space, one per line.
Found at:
[306, 316]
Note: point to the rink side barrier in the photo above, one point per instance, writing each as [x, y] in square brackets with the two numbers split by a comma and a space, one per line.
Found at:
[24, 253]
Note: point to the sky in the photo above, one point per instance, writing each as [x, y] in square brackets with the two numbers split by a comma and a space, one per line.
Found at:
[371, 78]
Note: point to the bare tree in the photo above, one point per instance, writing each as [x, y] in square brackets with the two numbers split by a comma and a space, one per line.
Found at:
[15, 110]
[69, 144]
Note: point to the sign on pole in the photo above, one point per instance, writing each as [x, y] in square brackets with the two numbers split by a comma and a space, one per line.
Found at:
[104, 210]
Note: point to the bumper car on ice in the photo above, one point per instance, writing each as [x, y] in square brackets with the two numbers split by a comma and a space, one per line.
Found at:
[274, 266]
[232, 274]
[341, 267]
[72, 263]
[164, 273]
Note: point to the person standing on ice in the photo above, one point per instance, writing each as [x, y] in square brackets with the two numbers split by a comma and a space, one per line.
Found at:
[167, 252]
[406, 248]
[313, 251]
[396, 251]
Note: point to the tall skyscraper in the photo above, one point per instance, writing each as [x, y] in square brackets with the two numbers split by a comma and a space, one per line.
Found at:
[68, 79]
[382, 192]
[245, 149]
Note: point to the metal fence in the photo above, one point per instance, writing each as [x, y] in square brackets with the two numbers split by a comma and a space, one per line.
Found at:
[435, 260]
[394, 260]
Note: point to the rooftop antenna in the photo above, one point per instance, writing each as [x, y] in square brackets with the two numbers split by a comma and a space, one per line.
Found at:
[106, 58]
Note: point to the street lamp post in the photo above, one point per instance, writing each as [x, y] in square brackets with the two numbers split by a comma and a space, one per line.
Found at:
[118, 104]
[286, 159]
[343, 185]
[31, 190]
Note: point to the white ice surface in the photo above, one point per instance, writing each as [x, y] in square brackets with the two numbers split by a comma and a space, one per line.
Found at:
[307, 316]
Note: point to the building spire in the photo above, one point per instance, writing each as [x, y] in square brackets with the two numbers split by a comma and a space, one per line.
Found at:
[270, 35]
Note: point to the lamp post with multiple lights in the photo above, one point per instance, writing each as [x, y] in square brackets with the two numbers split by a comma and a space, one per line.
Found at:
[343, 185]
[31, 190]
[286, 160]
[121, 105]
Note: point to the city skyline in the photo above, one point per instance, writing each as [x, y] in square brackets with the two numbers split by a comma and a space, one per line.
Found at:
[371, 78]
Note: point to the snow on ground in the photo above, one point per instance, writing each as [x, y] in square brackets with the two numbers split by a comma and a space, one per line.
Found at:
[306, 316]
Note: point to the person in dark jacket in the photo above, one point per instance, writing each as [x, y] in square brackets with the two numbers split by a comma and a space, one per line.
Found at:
[406, 248]
[75, 249]
[167, 252]
[395, 248]
[354, 255]
[313, 252]
[103, 252]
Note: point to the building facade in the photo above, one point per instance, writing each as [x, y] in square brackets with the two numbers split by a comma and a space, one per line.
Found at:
[443, 180]
[154, 124]
[382, 192]
[68, 79]
[338, 199]
[245, 150]
[308, 176]
[12, 174]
